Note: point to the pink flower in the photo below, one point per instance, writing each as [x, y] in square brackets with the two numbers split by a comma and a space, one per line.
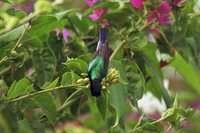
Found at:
[137, 3]
[177, 2]
[155, 31]
[90, 3]
[162, 14]
[97, 13]
[105, 22]
[65, 33]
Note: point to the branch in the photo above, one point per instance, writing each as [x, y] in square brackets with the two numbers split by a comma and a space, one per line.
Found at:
[118, 48]
[42, 91]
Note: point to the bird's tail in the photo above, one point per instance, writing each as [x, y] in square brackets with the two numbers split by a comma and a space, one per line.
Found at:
[95, 87]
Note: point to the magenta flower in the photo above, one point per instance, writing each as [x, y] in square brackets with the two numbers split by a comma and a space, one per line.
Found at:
[105, 22]
[177, 2]
[65, 33]
[97, 13]
[90, 3]
[162, 14]
[154, 31]
[137, 3]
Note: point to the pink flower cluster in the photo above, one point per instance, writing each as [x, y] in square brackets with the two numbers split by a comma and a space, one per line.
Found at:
[97, 13]
[162, 14]
[137, 4]
[90, 3]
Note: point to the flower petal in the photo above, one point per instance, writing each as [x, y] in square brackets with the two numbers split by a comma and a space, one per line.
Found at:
[90, 3]
[137, 3]
[97, 13]
[65, 33]
[105, 22]
[162, 14]
[164, 8]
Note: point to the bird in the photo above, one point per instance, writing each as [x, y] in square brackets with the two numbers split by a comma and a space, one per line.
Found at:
[98, 66]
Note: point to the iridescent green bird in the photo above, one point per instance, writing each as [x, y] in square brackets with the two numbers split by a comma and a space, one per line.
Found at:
[98, 67]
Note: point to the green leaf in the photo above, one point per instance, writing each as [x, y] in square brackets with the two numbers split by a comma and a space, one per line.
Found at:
[24, 126]
[76, 65]
[86, 57]
[8, 119]
[83, 24]
[148, 124]
[48, 85]
[44, 63]
[12, 87]
[63, 14]
[7, 40]
[69, 78]
[18, 88]
[189, 73]
[116, 99]
[8, 1]
[57, 45]
[136, 41]
[155, 72]
[15, 12]
[31, 44]
[43, 25]
[46, 103]
[176, 114]
[136, 82]
[42, 6]
[102, 104]
[153, 84]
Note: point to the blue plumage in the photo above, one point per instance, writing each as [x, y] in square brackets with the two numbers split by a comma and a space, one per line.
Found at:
[98, 67]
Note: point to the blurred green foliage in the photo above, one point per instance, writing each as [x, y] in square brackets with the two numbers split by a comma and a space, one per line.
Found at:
[40, 70]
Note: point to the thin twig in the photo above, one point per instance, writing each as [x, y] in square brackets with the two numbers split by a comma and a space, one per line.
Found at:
[7, 69]
[42, 91]
[166, 40]
[18, 41]
[118, 48]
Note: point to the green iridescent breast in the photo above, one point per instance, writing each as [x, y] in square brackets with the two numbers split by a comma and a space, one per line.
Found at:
[96, 68]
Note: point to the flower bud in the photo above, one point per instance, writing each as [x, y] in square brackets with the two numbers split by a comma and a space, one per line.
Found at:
[88, 86]
[86, 80]
[114, 81]
[84, 75]
[107, 84]
[80, 81]
[103, 87]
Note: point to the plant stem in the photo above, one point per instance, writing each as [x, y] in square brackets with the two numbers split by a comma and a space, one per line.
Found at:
[7, 69]
[119, 47]
[72, 95]
[167, 41]
[42, 91]
[4, 59]
[165, 94]
[18, 41]
[67, 104]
